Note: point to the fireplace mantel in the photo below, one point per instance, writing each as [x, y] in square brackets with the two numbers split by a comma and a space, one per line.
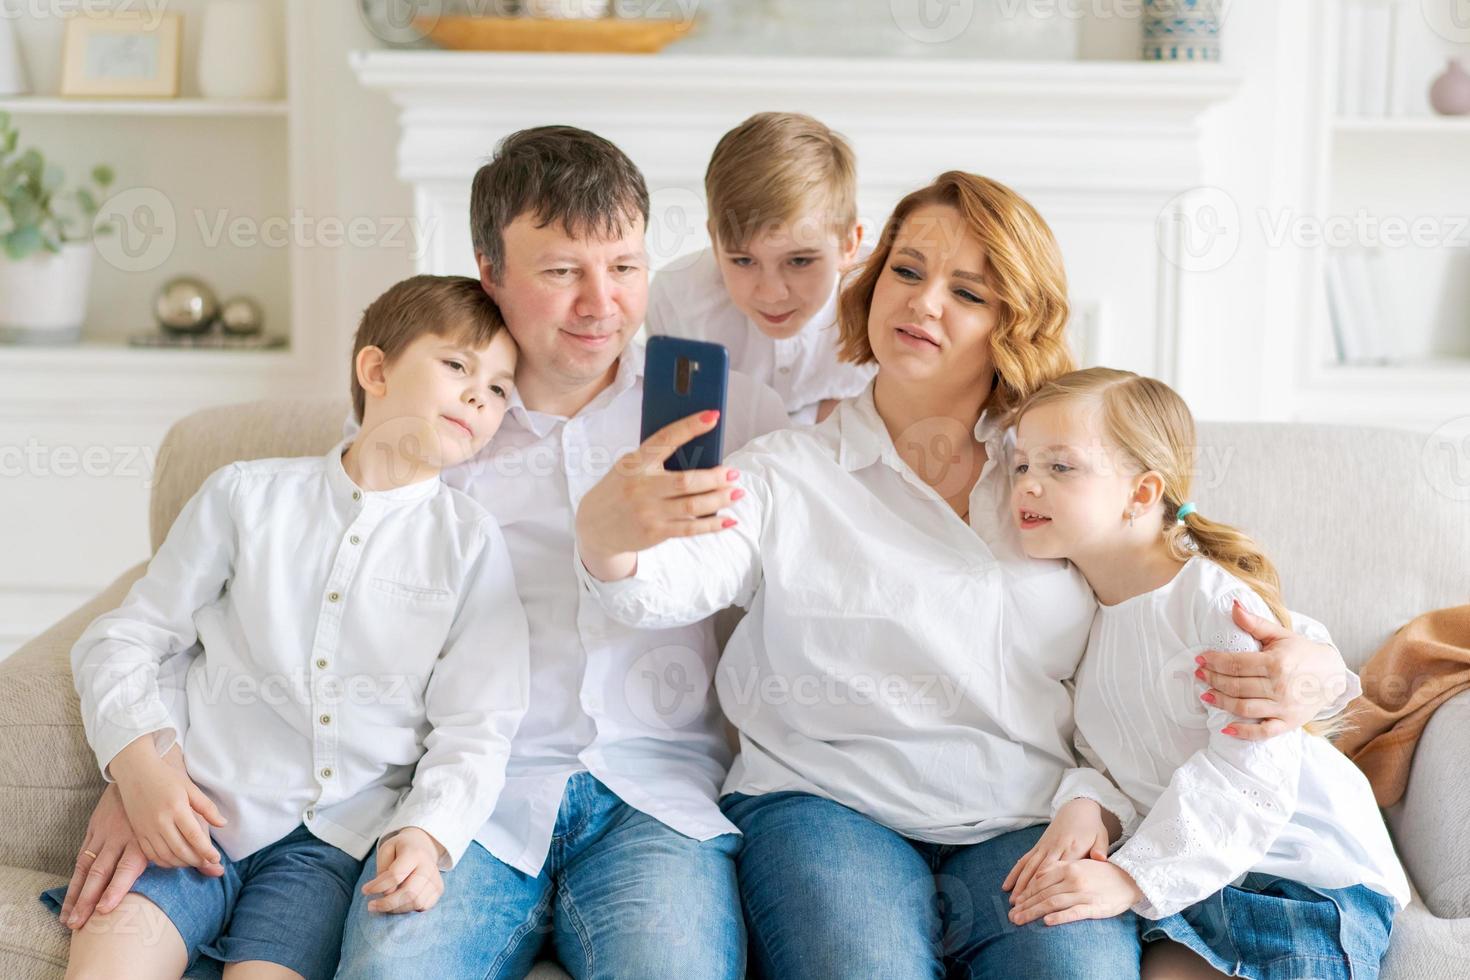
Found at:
[1100, 147]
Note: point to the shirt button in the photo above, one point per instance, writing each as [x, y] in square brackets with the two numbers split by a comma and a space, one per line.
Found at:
[321, 664]
[327, 773]
[333, 596]
[785, 370]
[355, 539]
[326, 719]
[311, 814]
[357, 495]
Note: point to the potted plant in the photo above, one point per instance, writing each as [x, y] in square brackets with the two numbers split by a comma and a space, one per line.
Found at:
[45, 244]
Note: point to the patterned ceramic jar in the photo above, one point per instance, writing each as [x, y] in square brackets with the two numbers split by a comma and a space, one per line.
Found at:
[1181, 30]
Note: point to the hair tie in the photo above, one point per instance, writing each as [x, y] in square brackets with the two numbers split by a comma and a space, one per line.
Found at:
[1184, 511]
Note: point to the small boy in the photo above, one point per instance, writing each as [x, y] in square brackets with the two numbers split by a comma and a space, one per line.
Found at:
[364, 667]
[782, 193]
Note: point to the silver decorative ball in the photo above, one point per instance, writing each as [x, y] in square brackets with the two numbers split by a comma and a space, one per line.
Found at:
[241, 316]
[185, 306]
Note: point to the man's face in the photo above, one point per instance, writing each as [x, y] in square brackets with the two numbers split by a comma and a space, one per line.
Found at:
[572, 304]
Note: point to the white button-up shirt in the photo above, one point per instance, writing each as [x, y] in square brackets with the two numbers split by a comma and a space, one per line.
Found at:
[893, 659]
[692, 302]
[364, 659]
[1216, 807]
[633, 706]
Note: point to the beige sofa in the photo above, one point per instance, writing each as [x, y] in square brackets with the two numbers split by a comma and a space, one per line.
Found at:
[1371, 527]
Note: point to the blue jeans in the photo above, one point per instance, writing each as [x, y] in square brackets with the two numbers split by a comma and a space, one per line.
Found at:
[829, 892]
[254, 911]
[621, 895]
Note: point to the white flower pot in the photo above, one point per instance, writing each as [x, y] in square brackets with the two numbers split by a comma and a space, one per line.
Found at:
[43, 298]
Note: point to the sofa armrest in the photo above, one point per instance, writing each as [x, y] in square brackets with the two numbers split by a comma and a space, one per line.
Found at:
[1429, 823]
[48, 774]
[1423, 947]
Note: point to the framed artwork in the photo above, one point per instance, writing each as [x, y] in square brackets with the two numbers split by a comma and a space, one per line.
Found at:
[122, 56]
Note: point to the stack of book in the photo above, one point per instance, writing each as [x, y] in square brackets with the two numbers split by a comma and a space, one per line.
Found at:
[1367, 70]
[1360, 304]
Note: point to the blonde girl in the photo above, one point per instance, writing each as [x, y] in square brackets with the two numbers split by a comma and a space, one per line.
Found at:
[1258, 859]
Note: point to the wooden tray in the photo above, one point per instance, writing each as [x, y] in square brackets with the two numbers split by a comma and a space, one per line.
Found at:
[604, 34]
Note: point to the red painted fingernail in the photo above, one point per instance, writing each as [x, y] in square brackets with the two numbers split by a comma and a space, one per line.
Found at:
[729, 522]
[1199, 672]
[1207, 697]
[708, 417]
[1228, 730]
[732, 475]
[1200, 661]
[736, 494]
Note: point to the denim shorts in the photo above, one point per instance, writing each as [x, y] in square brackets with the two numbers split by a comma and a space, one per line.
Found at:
[284, 904]
[1272, 928]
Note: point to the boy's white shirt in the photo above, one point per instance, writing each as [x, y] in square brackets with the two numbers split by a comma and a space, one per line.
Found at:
[365, 657]
[691, 302]
[1215, 807]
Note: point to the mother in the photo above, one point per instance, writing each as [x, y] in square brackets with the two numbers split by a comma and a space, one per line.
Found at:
[897, 684]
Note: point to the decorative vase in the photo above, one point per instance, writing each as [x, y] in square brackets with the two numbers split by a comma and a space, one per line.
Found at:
[238, 52]
[43, 298]
[1181, 30]
[12, 69]
[1450, 93]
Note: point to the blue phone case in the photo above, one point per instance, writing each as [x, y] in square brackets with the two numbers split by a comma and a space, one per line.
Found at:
[682, 377]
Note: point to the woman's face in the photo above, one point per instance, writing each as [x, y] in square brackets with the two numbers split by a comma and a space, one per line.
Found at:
[933, 309]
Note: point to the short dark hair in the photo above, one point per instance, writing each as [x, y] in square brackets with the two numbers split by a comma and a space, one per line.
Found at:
[445, 306]
[556, 173]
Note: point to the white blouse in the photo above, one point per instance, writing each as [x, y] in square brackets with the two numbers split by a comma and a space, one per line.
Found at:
[1216, 807]
[893, 659]
[692, 302]
[364, 659]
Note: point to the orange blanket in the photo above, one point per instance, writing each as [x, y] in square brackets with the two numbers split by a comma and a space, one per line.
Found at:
[1422, 666]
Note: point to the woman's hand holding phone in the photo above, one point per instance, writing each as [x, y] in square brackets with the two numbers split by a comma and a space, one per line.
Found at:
[639, 503]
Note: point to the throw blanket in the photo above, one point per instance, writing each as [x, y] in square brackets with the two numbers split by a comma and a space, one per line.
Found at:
[1422, 666]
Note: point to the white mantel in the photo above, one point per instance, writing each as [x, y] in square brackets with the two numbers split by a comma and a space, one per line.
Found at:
[1100, 147]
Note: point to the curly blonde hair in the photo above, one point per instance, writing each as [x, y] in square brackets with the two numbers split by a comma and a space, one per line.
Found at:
[1028, 346]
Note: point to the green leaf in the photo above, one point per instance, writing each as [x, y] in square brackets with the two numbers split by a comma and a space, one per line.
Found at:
[87, 201]
[4, 120]
[11, 139]
[23, 243]
[25, 211]
[102, 175]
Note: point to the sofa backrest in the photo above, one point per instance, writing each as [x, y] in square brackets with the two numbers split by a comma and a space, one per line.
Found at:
[1368, 527]
[201, 443]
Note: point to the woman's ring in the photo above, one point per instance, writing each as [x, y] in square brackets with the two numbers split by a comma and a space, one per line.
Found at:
[89, 854]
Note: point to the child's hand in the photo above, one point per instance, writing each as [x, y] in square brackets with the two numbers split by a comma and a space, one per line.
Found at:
[165, 808]
[1076, 832]
[1087, 889]
[408, 873]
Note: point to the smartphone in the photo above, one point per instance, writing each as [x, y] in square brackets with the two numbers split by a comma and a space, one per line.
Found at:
[682, 377]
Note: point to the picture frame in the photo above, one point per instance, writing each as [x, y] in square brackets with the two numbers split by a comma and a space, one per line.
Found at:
[122, 57]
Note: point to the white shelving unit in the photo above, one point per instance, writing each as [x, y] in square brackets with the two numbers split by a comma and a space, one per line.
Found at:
[1399, 169]
[41, 105]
